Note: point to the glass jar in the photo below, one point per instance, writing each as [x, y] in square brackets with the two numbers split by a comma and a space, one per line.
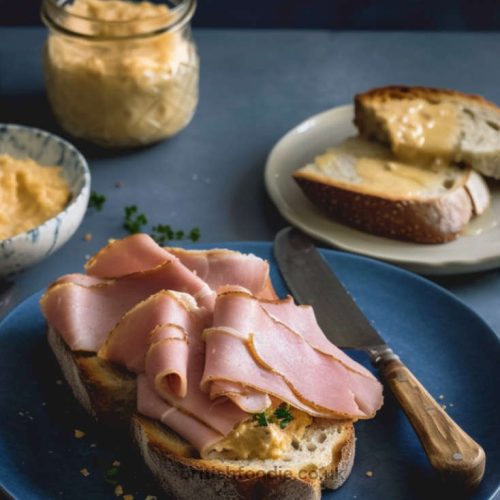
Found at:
[121, 73]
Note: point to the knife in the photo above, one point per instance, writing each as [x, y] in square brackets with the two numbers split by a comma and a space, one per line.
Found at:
[451, 452]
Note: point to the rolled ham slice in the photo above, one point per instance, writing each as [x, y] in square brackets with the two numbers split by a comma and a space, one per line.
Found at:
[162, 337]
[191, 429]
[164, 315]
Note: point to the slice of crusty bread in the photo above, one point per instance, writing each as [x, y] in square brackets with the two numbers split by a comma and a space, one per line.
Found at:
[322, 459]
[433, 212]
[478, 141]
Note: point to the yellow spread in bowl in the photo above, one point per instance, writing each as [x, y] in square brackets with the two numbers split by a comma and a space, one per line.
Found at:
[29, 194]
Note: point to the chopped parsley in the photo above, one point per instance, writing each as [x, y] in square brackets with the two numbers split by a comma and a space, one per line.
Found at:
[162, 233]
[261, 419]
[134, 221]
[195, 234]
[111, 475]
[281, 415]
[96, 200]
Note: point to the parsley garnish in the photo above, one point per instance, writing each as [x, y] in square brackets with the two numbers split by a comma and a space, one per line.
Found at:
[195, 234]
[96, 200]
[133, 220]
[111, 475]
[281, 414]
[163, 233]
[261, 419]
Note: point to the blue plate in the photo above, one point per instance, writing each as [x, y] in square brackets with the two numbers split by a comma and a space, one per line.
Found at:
[449, 348]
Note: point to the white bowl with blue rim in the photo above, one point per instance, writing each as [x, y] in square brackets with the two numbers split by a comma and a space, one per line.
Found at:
[30, 247]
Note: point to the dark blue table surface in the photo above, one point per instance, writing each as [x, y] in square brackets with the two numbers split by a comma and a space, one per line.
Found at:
[255, 85]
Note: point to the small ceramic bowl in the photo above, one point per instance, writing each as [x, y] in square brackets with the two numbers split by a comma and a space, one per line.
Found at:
[30, 247]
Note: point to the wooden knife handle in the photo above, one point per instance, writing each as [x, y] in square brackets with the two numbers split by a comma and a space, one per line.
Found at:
[452, 452]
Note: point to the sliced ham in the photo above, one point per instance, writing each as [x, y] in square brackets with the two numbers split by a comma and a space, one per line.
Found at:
[282, 353]
[191, 429]
[84, 315]
[220, 267]
[162, 337]
[302, 320]
[205, 361]
[247, 398]
[133, 254]
[164, 315]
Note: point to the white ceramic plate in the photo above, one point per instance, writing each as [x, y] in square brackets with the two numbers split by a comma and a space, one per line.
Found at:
[477, 250]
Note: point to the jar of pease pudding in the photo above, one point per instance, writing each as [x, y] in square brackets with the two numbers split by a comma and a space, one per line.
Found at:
[121, 73]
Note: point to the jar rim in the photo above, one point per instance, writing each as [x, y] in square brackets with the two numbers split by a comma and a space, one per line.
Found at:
[54, 15]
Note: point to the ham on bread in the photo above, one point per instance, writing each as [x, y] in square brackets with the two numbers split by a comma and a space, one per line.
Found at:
[209, 342]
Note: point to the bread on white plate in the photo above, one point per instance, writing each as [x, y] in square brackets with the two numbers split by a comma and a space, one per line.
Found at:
[323, 458]
[362, 184]
[421, 122]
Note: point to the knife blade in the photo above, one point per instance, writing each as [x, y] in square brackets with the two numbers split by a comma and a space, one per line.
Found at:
[451, 451]
[313, 282]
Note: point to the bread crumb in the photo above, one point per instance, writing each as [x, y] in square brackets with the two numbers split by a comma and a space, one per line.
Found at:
[151, 497]
[116, 463]
[44, 403]
[88, 237]
[79, 434]
[119, 184]
[85, 472]
[369, 473]
[59, 381]
[21, 414]
[128, 497]
[118, 490]
[450, 404]
[441, 396]
[93, 445]
[443, 407]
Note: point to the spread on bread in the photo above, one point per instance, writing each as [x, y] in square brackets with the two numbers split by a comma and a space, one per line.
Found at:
[419, 129]
[29, 194]
[414, 171]
[377, 170]
[218, 358]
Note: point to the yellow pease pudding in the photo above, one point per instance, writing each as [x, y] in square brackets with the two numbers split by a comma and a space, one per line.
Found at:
[264, 437]
[29, 194]
[119, 73]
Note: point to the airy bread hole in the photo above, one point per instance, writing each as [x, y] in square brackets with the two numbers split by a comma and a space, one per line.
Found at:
[311, 447]
[469, 112]
[493, 125]
[286, 458]
[322, 437]
[448, 183]
[295, 444]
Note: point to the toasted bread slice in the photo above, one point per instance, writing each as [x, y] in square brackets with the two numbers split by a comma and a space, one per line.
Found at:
[322, 459]
[362, 184]
[475, 138]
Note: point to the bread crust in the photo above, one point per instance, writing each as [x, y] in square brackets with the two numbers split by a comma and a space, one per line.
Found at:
[434, 220]
[183, 476]
[109, 395]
